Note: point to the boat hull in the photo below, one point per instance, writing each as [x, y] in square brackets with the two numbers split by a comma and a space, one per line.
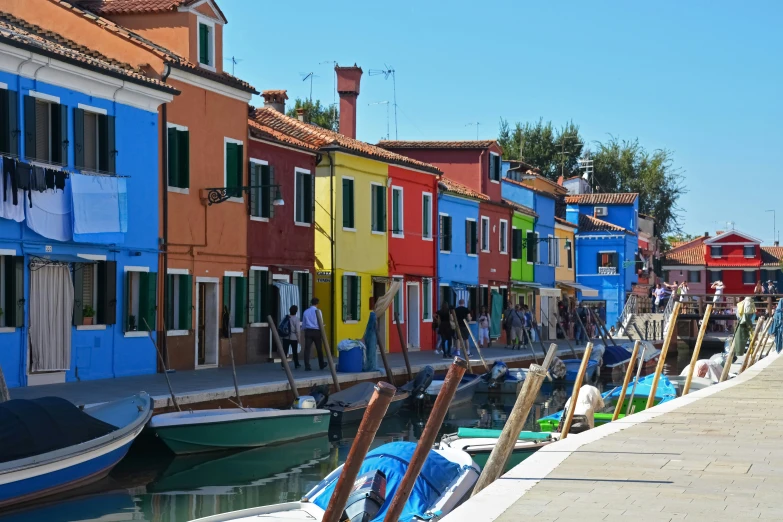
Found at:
[239, 432]
[354, 414]
[465, 391]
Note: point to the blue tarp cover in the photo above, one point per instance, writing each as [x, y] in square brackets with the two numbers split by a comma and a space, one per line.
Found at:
[393, 459]
[615, 356]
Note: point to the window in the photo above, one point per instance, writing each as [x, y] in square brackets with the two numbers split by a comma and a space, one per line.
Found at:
[569, 254]
[484, 234]
[715, 275]
[472, 300]
[716, 251]
[206, 44]
[444, 233]
[234, 292]
[426, 299]
[398, 309]
[303, 211]
[607, 263]
[503, 237]
[494, 167]
[749, 251]
[262, 194]
[471, 236]
[46, 130]
[397, 213]
[178, 156]
[94, 146]
[259, 293]
[234, 177]
[748, 278]
[483, 298]
[538, 250]
[553, 251]
[694, 276]
[378, 208]
[426, 216]
[516, 243]
[179, 306]
[9, 124]
[352, 297]
[95, 293]
[348, 204]
[12, 291]
[140, 289]
[304, 282]
[532, 247]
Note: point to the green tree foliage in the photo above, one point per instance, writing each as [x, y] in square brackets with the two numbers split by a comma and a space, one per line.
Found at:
[678, 237]
[552, 150]
[316, 113]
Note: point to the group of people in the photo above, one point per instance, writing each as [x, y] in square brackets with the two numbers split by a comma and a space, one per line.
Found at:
[446, 325]
[518, 324]
[663, 292]
[292, 330]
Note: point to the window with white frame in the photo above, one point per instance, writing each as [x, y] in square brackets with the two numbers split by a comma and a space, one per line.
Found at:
[93, 134]
[262, 194]
[397, 213]
[494, 167]
[471, 236]
[259, 293]
[303, 209]
[352, 298]
[553, 251]
[444, 233]
[503, 237]
[538, 250]
[748, 278]
[46, 128]
[426, 215]
[378, 207]
[426, 299]
[569, 254]
[234, 171]
[178, 140]
[484, 234]
[397, 306]
[140, 301]
[179, 305]
[206, 43]
[235, 299]
[348, 204]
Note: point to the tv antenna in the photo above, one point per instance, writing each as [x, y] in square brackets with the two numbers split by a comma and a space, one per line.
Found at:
[386, 102]
[234, 61]
[309, 75]
[386, 72]
[477, 124]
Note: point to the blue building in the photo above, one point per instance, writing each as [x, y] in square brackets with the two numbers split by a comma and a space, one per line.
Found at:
[606, 248]
[77, 267]
[458, 269]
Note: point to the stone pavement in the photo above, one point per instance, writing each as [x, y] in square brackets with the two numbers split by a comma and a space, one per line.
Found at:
[195, 386]
[715, 456]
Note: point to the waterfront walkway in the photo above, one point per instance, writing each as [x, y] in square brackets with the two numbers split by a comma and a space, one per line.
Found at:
[715, 455]
[211, 384]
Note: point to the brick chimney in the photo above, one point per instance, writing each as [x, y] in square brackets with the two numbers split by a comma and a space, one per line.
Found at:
[300, 114]
[348, 80]
[275, 99]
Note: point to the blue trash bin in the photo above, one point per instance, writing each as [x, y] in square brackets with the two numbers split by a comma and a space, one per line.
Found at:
[350, 361]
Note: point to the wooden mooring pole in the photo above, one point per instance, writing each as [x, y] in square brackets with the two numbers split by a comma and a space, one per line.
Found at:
[162, 364]
[636, 382]
[327, 349]
[627, 380]
[664, 350]
[461, 341]
[478, 348]
[502, 451]
[382, 351]
[752, 344]
[283, 356]
[696, 349]
[403, 346]
[565, 426]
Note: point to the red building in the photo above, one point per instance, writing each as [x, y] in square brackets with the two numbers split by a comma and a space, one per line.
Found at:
[280, 232]
[494, 257]
[734, 258]
[413, 255]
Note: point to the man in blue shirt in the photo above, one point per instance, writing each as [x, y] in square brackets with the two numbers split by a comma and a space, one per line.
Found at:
[312, 334]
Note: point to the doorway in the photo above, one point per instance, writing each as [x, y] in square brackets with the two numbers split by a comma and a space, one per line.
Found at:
[413, 315]
[207, 322]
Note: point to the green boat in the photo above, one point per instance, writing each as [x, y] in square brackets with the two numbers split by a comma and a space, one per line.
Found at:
[198, 431]
[479, 443]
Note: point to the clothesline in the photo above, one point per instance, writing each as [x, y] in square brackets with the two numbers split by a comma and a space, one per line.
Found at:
[61, 168]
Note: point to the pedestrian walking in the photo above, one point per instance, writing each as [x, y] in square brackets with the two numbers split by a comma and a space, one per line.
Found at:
[483, 325]
[463, 314]
[445, 330]
[290, 330]
[312, 334]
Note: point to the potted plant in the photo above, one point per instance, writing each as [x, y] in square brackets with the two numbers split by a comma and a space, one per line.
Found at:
[132, 323]
[88, 315]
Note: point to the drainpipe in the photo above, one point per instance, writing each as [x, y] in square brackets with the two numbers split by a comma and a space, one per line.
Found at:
[162, 338]
[332, 225]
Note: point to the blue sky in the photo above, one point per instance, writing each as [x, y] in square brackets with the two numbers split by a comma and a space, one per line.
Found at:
[700, 78]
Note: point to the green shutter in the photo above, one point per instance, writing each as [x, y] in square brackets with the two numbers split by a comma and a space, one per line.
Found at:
[203, 49]
[147, 299]
[358, 294]
[226, 296]
[396, 228]
[264, 295]
[78, 141]
[240, 302]
[231, 167]
[380, 208]
[78, 292]
[29, 127]
[252, 170]
[127, 308]
[168, 302]
[183, 151]
[426, 217]
[14, 293]
[265, 198]
[174, 156]
[253, 293]
[531, 247]
[347, 203]
[59, 133]
[345, 298]
[239, 178]
[10, 122]
[307, 198]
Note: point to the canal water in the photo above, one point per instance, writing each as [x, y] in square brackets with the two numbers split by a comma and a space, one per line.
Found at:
[152, 485]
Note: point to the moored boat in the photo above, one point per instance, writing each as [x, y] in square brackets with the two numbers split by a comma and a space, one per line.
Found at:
[49, 445]
[479, 443]
[465, 391]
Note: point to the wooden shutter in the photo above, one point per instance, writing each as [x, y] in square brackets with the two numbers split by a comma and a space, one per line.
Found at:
[103, 147]
[240, 302]
[264, 295]
[396, 211]
[532, 247]
[10, 121]
[516, 244]
[111, 144]
[226, 297]
[14, 291]
[347, 203]
[107, 294]
[448, 233]
[231, 167]
[183, 153]
[203, 41]
[78, 292]
[78, 140]
[29, 127]
[59, 125]
[147, 298]
[240, 169]
[173, 156]
[358, 294]
[307, 198]
[265, 193]
[467, 236]
[253, 203]
[345, 298]
[426, 215]
[168, 302]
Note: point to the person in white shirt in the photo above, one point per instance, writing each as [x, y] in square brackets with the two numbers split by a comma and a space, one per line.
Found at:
[588, 402]
[718, 287]
[312, 334]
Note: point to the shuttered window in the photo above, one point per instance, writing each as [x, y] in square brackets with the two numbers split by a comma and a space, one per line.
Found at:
[303, 210]
[426, 299]
[234, 174]
[94, 292]
[532, 247]
[205, 44]
[235, 291]
[258, 296]
[484, 234]
[516, 243]
[348, 204]
[397, 212]
[94, 141]
[569, 253]
[12, 291]
[140, 301]
[426, 216]
[352, 298]
[262, 194]
[494, 167]
[444, 233]
[378, 208]
[398, 309]
[471, 236]
[607, 260]
[46, 130]
[503, 237]
[178, 156]
[9, 122]
[179, 308]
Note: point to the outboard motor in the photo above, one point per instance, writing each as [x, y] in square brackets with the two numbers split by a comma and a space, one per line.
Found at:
[419, 385]
[497, 374]
[366, 498]
[320, 394]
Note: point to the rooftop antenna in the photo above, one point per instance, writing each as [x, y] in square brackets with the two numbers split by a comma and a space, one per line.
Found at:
[386, 72]
[234, 60]
[477, 124]
[386, 102]
[310, 75]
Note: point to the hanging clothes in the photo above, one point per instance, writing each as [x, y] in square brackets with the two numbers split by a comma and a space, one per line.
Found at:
[38, 181]
[24, 180]
[59, 180]
[9, 175]
[9, 209]
[51, 313]
[100, 208]
[49, 178]
[50, 215]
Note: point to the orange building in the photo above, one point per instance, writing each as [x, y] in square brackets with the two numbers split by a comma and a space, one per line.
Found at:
[203, 146]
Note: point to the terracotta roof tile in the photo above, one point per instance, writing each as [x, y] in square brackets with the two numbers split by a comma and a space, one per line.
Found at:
[591, 224]
[470, 144]
[685, 256]
[319, 138]
[537, 191]
[623, 198]
[565, 222]
[449, 185]
[678, 245]
[520, 208]
[123, 7]
[257, 130]
[771, 256]
[18, 32]
[220, 77]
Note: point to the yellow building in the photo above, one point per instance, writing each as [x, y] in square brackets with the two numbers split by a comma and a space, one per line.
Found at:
[565, 267]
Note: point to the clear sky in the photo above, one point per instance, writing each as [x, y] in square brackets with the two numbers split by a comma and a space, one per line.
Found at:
[701, 78]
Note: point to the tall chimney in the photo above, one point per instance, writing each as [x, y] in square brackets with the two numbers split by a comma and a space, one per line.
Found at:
[348, 80]
[275, 99]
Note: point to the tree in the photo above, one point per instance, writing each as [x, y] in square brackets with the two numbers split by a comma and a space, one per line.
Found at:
[678, 237]
[554, 151]
[316, 113]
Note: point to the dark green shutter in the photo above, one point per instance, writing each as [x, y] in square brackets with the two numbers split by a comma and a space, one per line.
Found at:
[254, 202]
[168, 305]
[10, 122]
[264, 295]
[185, 301]
[345, 298]
[226, 296]
[358, 294]
[467, 237]
[307, 198]
[447, 227]
[183, 151]
[29, 127]
[254, 292]
[532, 246]
[59, 133]
[203, 50]
[78, 137]
[107, 294]
[147, 299]
[265, 203]
[347, 204]
[380, 208]
[240, 302]
[126, 308]
[78, 292]
[240, 169]
[173, 159]
[103, 143]
[231, 167]
[13, 307]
